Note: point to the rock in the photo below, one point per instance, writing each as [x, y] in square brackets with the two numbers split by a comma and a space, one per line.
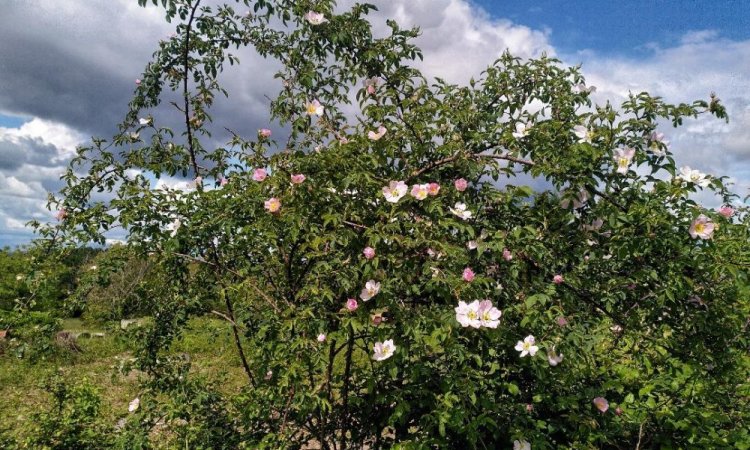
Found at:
[125, 323]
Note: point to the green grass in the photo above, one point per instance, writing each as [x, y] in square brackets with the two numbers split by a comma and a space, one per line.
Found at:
[207, 340]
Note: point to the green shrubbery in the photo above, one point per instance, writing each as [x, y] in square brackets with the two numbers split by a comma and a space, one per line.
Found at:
[73, 420]
[387, 282]
[30, 334]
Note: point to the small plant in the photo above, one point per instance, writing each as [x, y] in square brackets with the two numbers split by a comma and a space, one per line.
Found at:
[73, 420]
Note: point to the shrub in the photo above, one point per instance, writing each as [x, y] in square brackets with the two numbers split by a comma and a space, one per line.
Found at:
[30, 334]
[351, 256]
[72, 422]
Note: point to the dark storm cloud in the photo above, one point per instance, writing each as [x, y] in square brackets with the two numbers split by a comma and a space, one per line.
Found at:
[72, 62]
[17, 152]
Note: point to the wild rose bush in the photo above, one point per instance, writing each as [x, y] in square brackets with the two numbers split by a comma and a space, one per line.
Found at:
[388, 280]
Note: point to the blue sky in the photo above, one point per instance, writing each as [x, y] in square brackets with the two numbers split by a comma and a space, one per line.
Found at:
[7, 121]
[626, 27]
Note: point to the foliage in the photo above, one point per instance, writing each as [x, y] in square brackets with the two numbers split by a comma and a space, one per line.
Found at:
[73, 422]
[118, 285]
[39, 280]
[606, 260]
[12, 273]
[29, 334]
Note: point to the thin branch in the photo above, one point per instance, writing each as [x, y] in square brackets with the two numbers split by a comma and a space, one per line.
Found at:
[185, 91]
[355, 225]
[640, 436]
[450, 159]
[225, 317]
[265, 296]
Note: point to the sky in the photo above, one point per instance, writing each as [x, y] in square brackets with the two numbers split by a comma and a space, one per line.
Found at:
[68, 70]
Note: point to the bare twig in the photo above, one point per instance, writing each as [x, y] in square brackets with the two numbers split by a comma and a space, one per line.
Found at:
[186, 93]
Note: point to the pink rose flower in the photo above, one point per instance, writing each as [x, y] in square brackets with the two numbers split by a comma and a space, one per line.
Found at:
[138, 81]
[351, 304]
[507, 255]
[461, 184]
[61, 214]
[264, 133]
[369, 252]
[601, 404]
[433, 189]
[223, 181]
[272, 205]
[321, 337]
[726, 211]
[259, 174]
[298, 178]
[702, 227]
[561, 321]
[468, 274]
[558, 279]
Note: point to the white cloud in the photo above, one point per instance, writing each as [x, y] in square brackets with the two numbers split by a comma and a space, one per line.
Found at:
[460, 40]
[701, 63]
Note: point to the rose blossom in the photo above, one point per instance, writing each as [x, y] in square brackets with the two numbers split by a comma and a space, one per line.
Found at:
[468, 275]
[383, 350]
[260, 174]
[314, 108]
[419, 191]
[468, 314]
[395, 191]
[369, 252]
[726, 211]
[459, 209]
[315, 18]
[558, 279]
[702, 227]
[264, 133]
[623, 157]
[461, 184]
[527, 346]
[370, 290]
[298, 178]
[489, 316]
[272, 205]
[601, 404]
[376, 135]
[351, 304]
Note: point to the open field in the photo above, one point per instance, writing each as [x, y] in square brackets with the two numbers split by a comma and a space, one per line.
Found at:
[207, 341]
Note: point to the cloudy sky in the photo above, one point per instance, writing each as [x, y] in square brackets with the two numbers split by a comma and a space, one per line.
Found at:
[67, 71]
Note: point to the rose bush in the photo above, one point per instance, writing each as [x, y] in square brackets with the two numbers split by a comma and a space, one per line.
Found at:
[388, 281]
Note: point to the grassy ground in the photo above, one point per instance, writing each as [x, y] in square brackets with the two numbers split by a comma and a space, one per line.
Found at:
[207, 341]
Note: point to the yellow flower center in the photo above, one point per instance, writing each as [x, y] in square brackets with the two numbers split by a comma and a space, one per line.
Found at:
[699, 228]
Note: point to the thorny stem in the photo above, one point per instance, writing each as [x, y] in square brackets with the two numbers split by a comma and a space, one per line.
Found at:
[186, 93]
